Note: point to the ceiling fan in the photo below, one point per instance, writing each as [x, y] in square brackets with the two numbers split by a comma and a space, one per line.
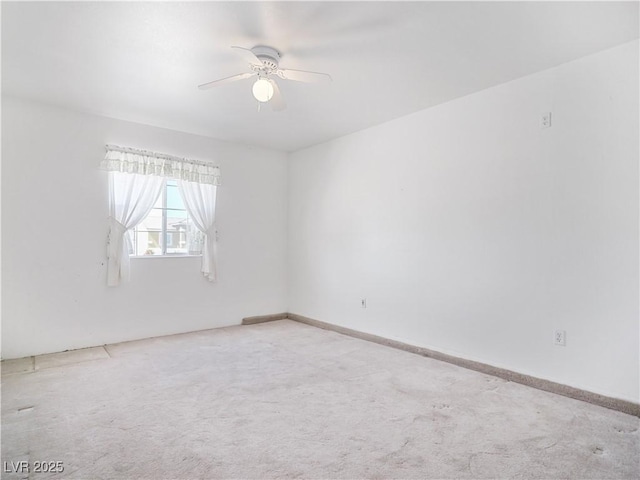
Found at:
[264, 64]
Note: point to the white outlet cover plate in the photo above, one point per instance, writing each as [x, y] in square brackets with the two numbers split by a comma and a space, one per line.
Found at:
[560, 338]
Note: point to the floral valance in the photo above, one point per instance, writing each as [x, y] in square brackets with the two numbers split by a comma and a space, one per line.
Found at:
[142, 162]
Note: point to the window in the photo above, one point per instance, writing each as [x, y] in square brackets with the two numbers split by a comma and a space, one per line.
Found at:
[168, 229]
[144, 196]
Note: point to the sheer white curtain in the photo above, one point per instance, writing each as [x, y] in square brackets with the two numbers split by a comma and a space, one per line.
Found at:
[136, 178]
[200, 201]
[131, 198]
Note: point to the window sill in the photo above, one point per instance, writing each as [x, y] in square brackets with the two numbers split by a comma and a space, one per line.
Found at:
[163, 256]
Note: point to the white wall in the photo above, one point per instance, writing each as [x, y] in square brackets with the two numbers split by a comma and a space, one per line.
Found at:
[472, 231]
[54, 227]
[468, 228]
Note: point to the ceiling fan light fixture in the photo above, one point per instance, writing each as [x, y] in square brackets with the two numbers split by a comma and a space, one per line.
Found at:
[262, 90]
[264, 63]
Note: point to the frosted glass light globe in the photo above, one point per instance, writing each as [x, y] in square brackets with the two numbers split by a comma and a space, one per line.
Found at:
[262, 90]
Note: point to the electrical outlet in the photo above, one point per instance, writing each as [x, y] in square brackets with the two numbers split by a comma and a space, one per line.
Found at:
[560, 338]
[545, 120]
[363, 303]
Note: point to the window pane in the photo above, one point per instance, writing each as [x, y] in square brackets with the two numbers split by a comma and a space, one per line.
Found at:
[148, 242]
[153, 221]
[167, 224]
[176, 219]
[176, 232]
[174, 200]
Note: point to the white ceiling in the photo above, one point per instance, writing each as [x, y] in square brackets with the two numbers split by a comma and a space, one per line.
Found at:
[142, 61]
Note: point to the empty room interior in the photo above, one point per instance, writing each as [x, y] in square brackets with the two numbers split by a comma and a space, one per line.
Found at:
[320, 240]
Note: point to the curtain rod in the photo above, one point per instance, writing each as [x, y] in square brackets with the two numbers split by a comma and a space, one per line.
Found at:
[149, 153]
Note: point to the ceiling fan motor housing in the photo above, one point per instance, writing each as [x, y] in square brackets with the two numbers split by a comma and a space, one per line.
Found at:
[269, 56]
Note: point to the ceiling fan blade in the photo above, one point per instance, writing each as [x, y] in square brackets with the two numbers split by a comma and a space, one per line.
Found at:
[222, 81]
[248, 55]
[277, 102]
[304, 76]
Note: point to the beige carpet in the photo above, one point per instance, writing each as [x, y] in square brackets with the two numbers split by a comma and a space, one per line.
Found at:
[285, 400]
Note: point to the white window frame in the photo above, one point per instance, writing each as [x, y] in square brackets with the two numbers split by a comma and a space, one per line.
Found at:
[163, 232]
